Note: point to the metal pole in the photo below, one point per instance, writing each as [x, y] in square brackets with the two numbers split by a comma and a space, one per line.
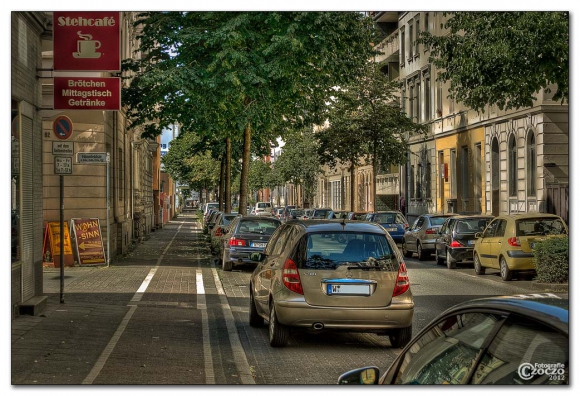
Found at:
[61, 177]
[108, 209]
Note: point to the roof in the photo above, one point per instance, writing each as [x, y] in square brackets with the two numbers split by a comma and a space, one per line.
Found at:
[481, 216]
[546, 307]
[519, 216]
[338, 225]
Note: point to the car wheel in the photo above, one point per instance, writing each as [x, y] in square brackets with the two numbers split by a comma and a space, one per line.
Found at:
[451, 264]
[438, 260]
[278, 332]
[420, 252]
[406, 252]
[479, 269]
[505, 272]
[255, 319]
[400, 337]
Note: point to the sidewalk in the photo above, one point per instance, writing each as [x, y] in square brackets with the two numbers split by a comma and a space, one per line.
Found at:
[64, 342]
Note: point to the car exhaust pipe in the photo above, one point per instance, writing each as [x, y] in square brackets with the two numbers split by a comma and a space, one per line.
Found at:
[318, 326]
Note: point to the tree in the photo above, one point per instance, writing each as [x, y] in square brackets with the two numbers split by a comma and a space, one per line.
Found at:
[502, 58]
[243, 75]
[259, 175]
[367, 125]
[299, 163]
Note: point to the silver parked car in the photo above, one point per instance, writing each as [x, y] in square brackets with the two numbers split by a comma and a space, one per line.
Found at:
[307, 279]
[421, 236]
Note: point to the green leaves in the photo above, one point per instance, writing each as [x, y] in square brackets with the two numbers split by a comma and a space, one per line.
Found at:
[502, 58]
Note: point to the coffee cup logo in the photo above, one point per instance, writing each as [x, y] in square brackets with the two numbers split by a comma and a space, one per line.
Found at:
[87, 47]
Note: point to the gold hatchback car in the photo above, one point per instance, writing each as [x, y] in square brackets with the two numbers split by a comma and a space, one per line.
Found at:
[308, 277]
[507, 242]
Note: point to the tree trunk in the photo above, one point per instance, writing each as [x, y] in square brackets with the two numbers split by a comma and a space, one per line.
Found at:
[352, 187]
[245, 171]
[222, 184]
[228, 192]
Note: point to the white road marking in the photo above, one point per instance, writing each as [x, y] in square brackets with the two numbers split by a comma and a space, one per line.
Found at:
[201, 305]
[240, 359]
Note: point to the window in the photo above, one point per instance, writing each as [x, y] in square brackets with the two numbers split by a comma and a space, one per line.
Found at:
[477, 175]
[403, 53]
[447, 353]
[417, 103]
[419, 181]
[439, 99]
[410, 54]
[523, 340]
[15, 184]
[490, 230]
[512, 153]
[427, 100]
[411, 99]
[412, 181]
[121, 176]
[404, 100]
[453, 166]
[426, 22]
[501, 228]
[427, 180]
[417, 31]
[464, 172]
[531, 161]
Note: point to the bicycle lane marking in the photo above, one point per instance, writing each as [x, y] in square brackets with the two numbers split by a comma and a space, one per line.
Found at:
[102, 360]
[202, 306]
[240, 358]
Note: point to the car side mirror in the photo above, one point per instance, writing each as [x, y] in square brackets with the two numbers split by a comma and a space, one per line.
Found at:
[360, 376]
[478, 234]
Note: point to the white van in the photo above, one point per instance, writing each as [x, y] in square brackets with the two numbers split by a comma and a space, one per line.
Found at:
[263, 209]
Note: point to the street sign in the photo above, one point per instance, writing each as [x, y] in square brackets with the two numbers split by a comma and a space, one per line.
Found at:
[87, 93]
[87, 40]
[62, 148]
[63, 165]
[62, 127]
[92, 158]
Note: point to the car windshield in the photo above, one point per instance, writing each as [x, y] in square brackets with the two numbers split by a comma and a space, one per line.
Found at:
[471, 226]
[438, 220]
[540, 226]
[387, 218]
[329, 250]
[261, 226]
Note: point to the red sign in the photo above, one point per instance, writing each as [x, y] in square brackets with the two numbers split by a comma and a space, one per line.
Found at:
[62, 127]
[87, 93]
[88, 241]
[87, 40]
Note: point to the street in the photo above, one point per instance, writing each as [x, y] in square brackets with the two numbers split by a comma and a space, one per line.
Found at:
[165, 314]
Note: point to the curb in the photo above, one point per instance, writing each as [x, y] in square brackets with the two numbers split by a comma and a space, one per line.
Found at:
[550, 287]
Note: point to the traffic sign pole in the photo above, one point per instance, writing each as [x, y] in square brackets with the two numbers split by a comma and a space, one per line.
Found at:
[61, 177]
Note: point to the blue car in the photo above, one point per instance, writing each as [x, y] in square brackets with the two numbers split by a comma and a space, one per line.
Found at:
[393, 221]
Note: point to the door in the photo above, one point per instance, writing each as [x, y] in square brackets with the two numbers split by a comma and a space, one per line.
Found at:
[444, 237]
[484, 243]
[263, 272]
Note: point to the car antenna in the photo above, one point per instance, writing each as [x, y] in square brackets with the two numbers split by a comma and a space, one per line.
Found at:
[343, 222]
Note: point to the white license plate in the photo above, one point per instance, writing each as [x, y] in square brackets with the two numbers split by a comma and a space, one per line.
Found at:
[362, 290]
[471, 242]
[258, 244]
[391, 229]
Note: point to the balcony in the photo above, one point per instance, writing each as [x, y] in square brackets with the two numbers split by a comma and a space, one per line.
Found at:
[389, 48]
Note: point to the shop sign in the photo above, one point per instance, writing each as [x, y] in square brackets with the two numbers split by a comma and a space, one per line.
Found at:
[88, 241]
[87, 40]
[87, 93]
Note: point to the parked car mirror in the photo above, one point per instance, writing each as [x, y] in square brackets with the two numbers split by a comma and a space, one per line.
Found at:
[478, 234]
[360, 376]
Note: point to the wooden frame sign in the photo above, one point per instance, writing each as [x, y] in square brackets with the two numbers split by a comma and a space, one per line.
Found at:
[51, 246]
[89, 241]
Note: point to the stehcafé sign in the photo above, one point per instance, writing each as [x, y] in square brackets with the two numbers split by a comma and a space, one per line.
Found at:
[87, 40]
[87, 93]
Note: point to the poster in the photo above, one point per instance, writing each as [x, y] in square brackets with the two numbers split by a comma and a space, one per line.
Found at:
[51, 246]
[89, 241]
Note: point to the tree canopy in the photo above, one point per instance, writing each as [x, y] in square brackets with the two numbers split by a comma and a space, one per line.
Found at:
[242, 74]
[502, 58]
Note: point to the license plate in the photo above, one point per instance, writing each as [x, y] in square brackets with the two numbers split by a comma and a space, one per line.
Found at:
[471, 242]
[258, 244]
[361, 290]
[391, 229]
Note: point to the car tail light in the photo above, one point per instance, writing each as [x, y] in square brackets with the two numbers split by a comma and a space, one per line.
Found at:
[402, 284]
[291, 277]
[514, 241]
[218, 232]
[431, 231]
[456, 244]
[237, 242]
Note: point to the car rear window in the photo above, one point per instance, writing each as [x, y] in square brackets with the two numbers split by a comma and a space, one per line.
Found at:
[259, 226]
[540, 226]
[329, 250]
[227, 219]
[382, 218]
[296, 212]
[320, 214]
[438, 220]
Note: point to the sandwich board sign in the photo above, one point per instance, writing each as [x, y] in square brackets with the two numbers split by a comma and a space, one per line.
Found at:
[88, 241]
